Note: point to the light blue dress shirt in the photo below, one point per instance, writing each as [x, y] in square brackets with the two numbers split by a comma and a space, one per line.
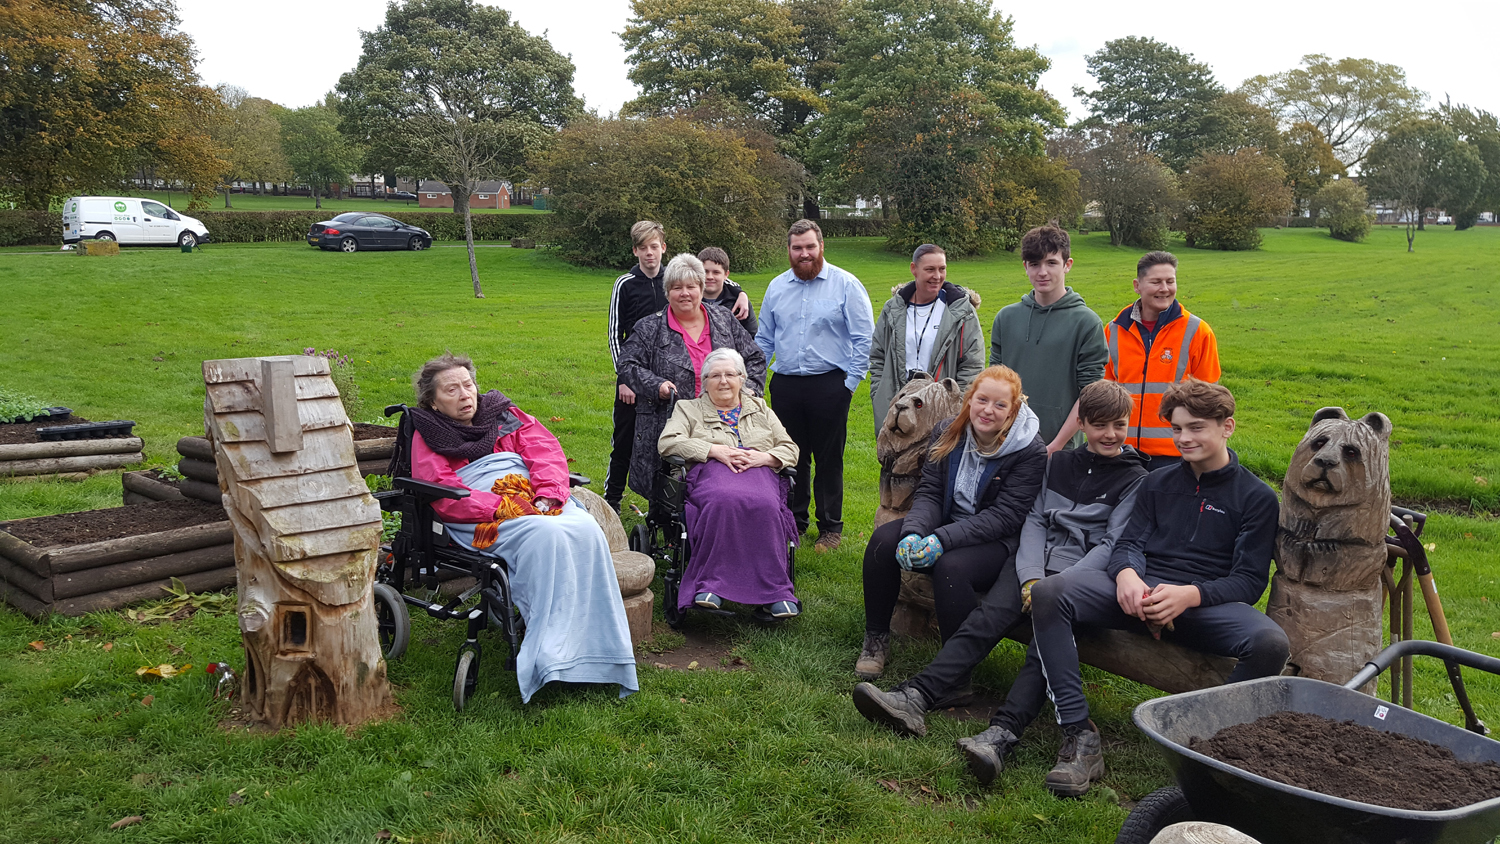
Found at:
[813, 327]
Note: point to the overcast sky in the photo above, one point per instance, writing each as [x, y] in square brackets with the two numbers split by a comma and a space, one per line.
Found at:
[292, 53]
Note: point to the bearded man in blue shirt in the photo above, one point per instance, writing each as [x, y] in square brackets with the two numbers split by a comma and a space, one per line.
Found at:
[816, 325]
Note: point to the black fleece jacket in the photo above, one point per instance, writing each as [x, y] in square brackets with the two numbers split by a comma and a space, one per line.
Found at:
[1216, 532]
[635, 297]
[1004, 500]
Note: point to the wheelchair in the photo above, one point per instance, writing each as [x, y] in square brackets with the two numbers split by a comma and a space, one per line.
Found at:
[423, 554]
[662, 536]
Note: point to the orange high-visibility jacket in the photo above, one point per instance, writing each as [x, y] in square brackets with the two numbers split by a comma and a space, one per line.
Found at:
[1182, 345]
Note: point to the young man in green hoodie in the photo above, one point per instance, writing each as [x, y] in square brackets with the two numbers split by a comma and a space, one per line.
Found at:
[1050, 337]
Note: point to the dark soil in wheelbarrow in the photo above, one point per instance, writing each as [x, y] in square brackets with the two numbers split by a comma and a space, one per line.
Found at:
[1352, 761]
[112, 523]
[14, 433]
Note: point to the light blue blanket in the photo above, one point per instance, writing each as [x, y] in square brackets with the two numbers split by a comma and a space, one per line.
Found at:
[563, 580]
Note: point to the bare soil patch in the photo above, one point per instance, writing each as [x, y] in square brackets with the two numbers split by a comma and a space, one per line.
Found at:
[113, 523]
[698, 651]
[366, 431]
[1352, 761]
[13, 433]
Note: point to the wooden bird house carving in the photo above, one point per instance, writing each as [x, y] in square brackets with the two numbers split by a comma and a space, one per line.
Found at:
[306, 538]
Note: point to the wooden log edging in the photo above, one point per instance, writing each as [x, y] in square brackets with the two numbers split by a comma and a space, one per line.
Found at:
[79, 463]
[198, 448]
[199, 470]
[69, 448]
[77, 579]
[148, 488]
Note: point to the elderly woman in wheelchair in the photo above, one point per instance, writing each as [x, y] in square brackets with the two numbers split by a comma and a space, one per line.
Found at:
[739, 529]
[519, 510]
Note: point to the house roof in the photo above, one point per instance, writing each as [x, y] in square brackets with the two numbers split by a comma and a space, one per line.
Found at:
[492, 186]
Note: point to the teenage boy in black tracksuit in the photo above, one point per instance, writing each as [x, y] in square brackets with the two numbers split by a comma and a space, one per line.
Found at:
[637, 294]
[1191, 565]
[1085, 503]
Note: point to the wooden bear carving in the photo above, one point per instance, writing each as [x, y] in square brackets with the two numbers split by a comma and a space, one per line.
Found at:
[901, 443]
[1330, 544]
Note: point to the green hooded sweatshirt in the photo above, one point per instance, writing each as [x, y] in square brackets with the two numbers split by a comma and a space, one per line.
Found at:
[1057, 350]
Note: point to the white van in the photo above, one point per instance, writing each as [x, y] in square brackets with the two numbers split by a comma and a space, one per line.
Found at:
[129, 220]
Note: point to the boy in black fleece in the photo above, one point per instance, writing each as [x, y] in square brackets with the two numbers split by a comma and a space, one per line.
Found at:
[637, 294]
[718, 288]
[1084, 505]
[1191, 565]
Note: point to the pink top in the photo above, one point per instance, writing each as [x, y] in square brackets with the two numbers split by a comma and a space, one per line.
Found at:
[536, 445]
[697, 349]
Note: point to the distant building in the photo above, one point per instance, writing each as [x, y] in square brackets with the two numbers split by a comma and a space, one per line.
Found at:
[490, 194]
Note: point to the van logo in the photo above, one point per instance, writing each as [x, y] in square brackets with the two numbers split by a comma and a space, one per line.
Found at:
[120, 206]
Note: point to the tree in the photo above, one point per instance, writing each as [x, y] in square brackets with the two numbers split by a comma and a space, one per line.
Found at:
[931, 97]
[1342, 206]
[1422, 164]
[1133, 190]
[86, 84]
[1158, 90]
[316, 152]
[705, 185]
[1230, 196]
[454, 91]
[1308, 160]
[1229, 124]
[247, 128]
[1351, 101]
[1481, 130]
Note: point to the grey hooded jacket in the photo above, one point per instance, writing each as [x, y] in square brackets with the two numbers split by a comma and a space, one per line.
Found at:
[1083, 508]
[1057, 350]
[958, 352]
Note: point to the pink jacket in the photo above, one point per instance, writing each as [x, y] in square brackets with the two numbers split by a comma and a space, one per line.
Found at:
[536, 445]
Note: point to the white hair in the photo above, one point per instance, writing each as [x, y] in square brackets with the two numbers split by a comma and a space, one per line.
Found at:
[684, 268]
[724, 353]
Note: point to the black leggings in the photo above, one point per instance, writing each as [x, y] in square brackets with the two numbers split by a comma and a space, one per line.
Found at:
[957, 577]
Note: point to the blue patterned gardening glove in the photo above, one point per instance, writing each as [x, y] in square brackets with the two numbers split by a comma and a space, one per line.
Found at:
[923, 553]
[904, 550]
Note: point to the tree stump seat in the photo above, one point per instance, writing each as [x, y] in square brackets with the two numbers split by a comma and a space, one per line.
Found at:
[1162, 665]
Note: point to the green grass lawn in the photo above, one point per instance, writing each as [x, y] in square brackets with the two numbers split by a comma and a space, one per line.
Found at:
[267, 202]
[776, 753]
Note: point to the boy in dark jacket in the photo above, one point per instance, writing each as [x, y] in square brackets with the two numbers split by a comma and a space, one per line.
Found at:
[1190, 565]
[1085, 502]
[637, 294]
[717, 288]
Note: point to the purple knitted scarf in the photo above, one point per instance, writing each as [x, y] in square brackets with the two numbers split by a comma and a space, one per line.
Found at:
[492, 420]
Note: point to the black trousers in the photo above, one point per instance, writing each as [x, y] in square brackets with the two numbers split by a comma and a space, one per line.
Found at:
[956, 579]
[815, 411]
[621, 445]
[1076, 597]
[976, 636]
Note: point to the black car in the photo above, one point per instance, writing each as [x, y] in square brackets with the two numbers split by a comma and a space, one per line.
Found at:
[401, 194]
[356, 230]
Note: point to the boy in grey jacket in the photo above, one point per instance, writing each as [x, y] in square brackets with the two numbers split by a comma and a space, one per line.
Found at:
[1085, 503]
[1050, 337]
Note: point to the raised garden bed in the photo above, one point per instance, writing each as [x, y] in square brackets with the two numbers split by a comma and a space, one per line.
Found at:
[76, 563]
[24, 454]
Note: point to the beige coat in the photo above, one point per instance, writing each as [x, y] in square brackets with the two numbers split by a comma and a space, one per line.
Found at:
[695, 426]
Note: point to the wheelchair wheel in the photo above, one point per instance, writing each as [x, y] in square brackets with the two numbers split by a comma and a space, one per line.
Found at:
[640, 539]
[465, 677]
[392, 620]
[669, 610]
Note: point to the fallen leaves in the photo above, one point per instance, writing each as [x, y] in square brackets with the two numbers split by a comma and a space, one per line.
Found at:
[556, 419]
[126, 821]
[891, 785]
[38, 645]
[148, 700]
[160, 672]
[183, 605]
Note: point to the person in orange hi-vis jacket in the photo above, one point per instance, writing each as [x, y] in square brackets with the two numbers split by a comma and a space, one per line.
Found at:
[1153, 344]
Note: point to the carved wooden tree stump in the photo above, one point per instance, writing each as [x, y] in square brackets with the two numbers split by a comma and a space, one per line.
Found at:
[306, 535]
[1330, 545]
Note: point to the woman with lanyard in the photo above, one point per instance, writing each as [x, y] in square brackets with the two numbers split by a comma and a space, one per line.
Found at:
[928, 325]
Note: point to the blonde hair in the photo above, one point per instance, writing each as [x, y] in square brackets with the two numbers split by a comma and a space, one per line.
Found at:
[646, 231]
[955, 431]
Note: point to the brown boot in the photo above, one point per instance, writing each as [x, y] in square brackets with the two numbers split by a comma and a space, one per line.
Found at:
[828, 542]
[872, 656]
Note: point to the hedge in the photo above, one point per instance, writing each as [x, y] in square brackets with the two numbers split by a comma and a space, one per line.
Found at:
[44, 228]
[853, 227]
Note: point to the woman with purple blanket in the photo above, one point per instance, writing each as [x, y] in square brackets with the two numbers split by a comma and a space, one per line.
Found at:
[735, 510]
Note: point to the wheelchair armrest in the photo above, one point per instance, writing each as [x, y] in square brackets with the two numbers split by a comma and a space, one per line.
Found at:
[788, 472]
[393, 409]
[674, 460]
[425, 489]
[575, 479]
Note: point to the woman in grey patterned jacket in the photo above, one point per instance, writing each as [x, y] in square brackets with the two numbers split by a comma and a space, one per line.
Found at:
[663, 360]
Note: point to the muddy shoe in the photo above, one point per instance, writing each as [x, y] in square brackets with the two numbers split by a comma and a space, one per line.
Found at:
[872, 656]
[828, 542]
[986, 752]
[1080, 761]
[903, 710]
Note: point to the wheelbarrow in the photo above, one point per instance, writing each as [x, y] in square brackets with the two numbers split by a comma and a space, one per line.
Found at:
[1275, 813]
